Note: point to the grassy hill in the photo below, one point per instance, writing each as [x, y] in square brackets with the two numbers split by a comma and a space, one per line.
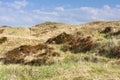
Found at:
[58, 51]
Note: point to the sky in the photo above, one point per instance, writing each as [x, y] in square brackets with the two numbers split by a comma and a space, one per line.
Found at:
[32, 12]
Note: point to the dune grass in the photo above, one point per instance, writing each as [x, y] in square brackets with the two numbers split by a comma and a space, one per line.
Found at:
[81, 70]
[79, 66]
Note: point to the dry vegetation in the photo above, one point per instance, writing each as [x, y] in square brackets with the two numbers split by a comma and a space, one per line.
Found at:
[57, 51]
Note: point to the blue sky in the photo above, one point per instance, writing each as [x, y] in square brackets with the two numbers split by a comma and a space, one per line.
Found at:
[31, 12]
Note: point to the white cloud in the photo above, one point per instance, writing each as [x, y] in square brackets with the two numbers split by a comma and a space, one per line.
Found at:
[106, 7]
[118, 6]
[0, 2]
[44, 12]
[7, 19]
[60, 8]
[91, 10]
[17, 4]
[13, 13]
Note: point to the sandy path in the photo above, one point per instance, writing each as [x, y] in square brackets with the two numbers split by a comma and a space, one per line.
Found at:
[24, 37]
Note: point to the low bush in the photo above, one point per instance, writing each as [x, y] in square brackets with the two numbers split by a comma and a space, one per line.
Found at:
[80, 44]
[32, 55]
[112, 51]
[60, 39]
[3, 39]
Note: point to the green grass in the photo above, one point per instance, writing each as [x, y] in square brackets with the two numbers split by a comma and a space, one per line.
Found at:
[81, 70]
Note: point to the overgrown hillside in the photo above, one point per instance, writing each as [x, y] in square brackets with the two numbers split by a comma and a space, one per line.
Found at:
[57, 51]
